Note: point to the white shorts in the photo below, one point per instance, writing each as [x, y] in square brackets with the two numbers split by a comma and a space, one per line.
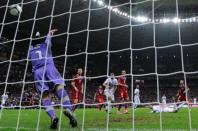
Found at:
[136, 99]
[109, 93]
[3, 102]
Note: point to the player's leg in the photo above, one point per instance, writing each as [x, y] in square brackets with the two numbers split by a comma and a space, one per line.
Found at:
[46, 102]
[108, 103]
[135, 101]
[100, 104]
[111, 98]
[57, 81]
[126, 96]
[63, 96]
[121, 95]
[76, 100]
[3, 102]
[43, 88]
[106, 92]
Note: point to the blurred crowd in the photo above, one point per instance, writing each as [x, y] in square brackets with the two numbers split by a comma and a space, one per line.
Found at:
[18, 90]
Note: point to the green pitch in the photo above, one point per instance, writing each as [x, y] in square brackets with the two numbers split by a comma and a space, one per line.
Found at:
[95, 120]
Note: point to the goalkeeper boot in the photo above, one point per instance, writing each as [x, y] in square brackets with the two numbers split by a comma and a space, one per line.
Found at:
[54, 123]
[71, 116]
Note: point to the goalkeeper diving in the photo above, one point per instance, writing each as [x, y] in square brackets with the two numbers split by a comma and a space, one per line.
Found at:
[43, 67]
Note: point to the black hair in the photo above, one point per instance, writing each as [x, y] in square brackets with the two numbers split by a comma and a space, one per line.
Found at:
[36, 40]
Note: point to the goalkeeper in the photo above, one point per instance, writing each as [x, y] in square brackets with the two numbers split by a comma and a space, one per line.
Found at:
[40, 54]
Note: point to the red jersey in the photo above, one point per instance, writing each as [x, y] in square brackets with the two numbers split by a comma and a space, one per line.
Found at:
[182, 94]
[99, 94]
[78, 81]
[122, 80]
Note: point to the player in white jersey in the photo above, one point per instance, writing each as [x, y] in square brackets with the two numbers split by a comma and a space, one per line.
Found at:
[110, 88]
[136, 96]
[164, 99]
[166, 108]
[4, 97]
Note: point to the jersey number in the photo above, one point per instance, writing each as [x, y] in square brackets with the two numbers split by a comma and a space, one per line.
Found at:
[39, 54]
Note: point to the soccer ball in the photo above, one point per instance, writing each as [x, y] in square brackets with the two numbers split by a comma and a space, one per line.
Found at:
[15, 9]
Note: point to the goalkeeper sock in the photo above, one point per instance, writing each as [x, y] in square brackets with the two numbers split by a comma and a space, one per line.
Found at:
[49, 109]
[126, 106]
[62, 94]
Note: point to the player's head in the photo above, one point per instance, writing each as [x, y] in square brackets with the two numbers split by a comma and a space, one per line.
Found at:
[112, 76]
[36, 39]
[100, 87]
[80, 71]
[181, 82]
[123, 72]
[137, 86]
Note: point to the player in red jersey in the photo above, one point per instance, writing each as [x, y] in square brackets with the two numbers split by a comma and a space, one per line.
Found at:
[99, 96]
[181, 95]
[123, 91]
[77, 87]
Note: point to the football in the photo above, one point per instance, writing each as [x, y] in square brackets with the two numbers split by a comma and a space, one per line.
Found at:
[15, 10]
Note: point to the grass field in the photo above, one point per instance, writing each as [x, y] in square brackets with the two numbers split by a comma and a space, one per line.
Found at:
[95, 120]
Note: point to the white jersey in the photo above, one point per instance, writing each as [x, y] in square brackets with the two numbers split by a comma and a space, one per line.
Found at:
[137, 92]
[112, 83]
[4, 97]
[164, 99]
[195, 101]
[165, 108]
[136, 97]
[110, 89]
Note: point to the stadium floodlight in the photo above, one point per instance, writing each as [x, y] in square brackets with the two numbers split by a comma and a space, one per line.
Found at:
[115, 10]
[182, 20]
[119, 12]
[194, 19]
[149, 20]
[190, 20]
[176, 20]
[156, 20]
[165, 20]
[100, 2]
[142, 19]
[125, 14]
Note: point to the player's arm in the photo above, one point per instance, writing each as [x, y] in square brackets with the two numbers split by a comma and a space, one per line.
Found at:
[177, 94]
[82, 88]
[106, 83]
[187, 90]
[95, 96]
[73, 86]
[116, 86]
[49, 35]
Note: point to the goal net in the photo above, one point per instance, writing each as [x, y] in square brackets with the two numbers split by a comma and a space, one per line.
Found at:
[154, 41]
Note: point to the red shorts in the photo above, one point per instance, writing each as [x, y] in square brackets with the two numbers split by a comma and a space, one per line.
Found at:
[76, 95]
[123, 94]
[100, 100]
[182, 98]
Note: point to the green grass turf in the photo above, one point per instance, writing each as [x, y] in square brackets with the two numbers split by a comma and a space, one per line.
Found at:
[95, 120]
